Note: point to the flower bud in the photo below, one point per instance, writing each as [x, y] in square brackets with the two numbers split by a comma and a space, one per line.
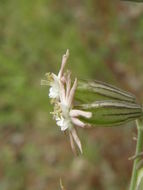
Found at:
[110, 113]
[87, 92]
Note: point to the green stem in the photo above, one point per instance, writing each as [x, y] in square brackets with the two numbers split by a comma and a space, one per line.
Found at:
[139, 149]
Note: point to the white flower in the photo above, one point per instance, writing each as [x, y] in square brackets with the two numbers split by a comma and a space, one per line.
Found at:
[54, 80]
[62, 92]
[66, 117]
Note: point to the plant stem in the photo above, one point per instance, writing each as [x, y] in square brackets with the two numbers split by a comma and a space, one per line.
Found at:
[139, 149]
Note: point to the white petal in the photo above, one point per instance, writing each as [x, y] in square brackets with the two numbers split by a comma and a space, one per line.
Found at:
[72, 143]
[77, 122]
[72, 92]
[68, 84]
[62, 93]
[76, 113]
[53, 92]
[62, 123]
[64, 127]
[64, 60]
[76, 139]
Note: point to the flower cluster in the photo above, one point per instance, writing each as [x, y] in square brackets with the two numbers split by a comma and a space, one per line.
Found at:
[62, 93]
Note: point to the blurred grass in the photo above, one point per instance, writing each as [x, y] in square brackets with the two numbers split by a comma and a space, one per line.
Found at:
[106, 43]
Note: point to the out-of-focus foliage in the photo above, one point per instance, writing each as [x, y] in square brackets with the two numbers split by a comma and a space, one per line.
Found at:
[133, 0]
[106, 43]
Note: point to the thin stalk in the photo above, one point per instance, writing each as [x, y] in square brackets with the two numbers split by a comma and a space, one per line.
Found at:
[139, 149]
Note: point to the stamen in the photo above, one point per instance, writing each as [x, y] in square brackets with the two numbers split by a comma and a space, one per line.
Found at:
[49, 76]
[44, 82]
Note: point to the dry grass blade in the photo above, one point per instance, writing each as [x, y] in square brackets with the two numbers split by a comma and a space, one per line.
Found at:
[61, 185]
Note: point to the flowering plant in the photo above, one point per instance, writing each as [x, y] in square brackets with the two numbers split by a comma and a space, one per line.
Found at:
[99, 104]
[62, 94]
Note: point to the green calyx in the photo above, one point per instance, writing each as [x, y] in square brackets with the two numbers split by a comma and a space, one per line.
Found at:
[111, 113]
[91, 91]
[109, 105]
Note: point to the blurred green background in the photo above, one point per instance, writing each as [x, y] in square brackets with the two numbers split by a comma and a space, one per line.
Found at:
[105, 39]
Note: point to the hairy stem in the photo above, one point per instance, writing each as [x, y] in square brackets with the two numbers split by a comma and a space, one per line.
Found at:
[139, 149]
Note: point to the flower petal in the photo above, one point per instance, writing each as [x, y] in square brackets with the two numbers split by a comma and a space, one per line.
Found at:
[77, 122]
[62, 123]
[72, 143]
[72, 92]
[64, 60]
[76, 139]
[76, 113]
[68, 84]
[62, 94]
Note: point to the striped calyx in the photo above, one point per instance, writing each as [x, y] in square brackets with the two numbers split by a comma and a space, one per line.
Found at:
[99, 104]
[87, 92]
[111, 113]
